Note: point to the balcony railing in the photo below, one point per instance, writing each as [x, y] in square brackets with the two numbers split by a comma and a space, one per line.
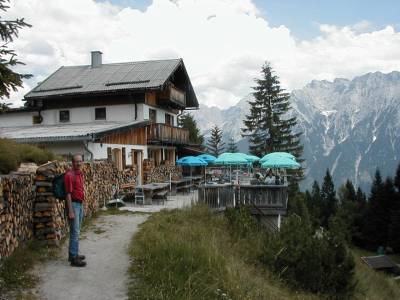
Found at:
[159, 132]
[174, 95]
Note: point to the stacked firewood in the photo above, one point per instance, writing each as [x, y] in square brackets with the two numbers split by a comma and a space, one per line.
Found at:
[160, 173]
[16, 201]
[100, 180]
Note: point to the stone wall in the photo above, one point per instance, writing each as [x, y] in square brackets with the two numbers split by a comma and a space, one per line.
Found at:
[16, 202]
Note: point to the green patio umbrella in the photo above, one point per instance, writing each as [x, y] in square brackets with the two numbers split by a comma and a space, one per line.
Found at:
[277, 155]
[280, 162]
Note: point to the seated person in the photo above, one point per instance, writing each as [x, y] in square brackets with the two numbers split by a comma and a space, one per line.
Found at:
[270, 178]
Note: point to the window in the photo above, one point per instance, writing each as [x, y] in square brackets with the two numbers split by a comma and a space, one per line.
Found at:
[153, 115]
[168, 120]
[64, 116]
[100, 113]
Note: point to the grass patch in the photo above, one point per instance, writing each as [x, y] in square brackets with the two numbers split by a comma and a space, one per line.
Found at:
[373, 284]
[190, 254]
[15, 275]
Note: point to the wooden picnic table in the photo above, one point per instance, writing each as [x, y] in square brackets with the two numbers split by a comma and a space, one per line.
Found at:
[152, 189]
[179, 185]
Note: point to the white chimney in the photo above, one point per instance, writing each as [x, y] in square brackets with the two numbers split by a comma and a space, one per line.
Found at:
[96, 59]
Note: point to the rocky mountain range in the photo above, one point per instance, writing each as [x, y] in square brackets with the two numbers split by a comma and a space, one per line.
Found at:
[351, 127]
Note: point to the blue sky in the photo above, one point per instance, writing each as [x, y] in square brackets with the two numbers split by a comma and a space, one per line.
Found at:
[302, 17]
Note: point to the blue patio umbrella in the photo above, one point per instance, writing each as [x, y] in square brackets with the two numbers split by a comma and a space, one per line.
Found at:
[191, 161]
[207, 158]
[280, 162]
[277, 154]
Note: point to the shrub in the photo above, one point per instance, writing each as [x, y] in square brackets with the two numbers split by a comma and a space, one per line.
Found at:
[12, 154]
[319, 263]
[242, 222]
[9, 159]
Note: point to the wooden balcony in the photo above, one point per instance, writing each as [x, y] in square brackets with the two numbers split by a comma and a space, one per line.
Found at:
[163, 133]
[173, 97]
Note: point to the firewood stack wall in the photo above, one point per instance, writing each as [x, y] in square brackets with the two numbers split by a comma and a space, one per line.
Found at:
[100, 178]
[153, 174]
[16, 202]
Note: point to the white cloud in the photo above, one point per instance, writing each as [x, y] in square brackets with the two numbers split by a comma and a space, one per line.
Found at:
[223, 43]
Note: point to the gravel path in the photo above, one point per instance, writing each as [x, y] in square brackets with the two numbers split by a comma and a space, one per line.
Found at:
[105, 245]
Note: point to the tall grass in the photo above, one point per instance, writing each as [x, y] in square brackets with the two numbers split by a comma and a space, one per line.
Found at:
[190, 254]
[372, 284]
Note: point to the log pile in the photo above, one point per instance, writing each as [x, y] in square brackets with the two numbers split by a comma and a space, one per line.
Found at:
[16, 201]
[100, 179]
[153, 174]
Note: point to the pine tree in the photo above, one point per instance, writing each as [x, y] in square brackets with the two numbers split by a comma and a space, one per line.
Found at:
[215, 146]
[348, 210]
[9, 80]
[376, 220]
[232, 148]
[267, 125]
[359, 217]
[187, 121]
[394, 227]
[316, 203]
[328, 199]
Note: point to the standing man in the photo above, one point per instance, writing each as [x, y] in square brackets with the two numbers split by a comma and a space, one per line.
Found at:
[73, 181]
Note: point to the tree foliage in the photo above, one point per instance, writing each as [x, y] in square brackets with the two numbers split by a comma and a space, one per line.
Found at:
[215, 146]
[329, 203]
[232, 147]
[10, 80]
[187, 121]
[268, 125]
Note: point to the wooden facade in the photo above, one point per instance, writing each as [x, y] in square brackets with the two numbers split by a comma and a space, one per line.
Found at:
[135, 136]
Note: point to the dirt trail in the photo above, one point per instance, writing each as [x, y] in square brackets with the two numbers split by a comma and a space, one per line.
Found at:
[105, 245]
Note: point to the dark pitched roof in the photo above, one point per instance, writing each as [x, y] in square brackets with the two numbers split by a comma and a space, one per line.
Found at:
[141, 75]
[65, 132]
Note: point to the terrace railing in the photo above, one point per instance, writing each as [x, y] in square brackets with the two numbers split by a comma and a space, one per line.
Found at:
[269, 199]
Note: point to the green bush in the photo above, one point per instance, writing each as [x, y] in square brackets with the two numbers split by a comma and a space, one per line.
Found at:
[9, 159]
[319, 263]
[242, 222]
[29, 153]
[12, 154]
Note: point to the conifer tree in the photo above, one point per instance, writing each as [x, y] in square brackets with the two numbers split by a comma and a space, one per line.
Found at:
[187, 121]
[9, 80]
[376, 220]
[394, 227]
[315, 203]
[268, 126]
[328, 199]
[232, 148]
[215, 146]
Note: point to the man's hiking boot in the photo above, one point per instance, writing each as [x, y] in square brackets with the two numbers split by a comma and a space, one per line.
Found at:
[81, 257]
[76, 262]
